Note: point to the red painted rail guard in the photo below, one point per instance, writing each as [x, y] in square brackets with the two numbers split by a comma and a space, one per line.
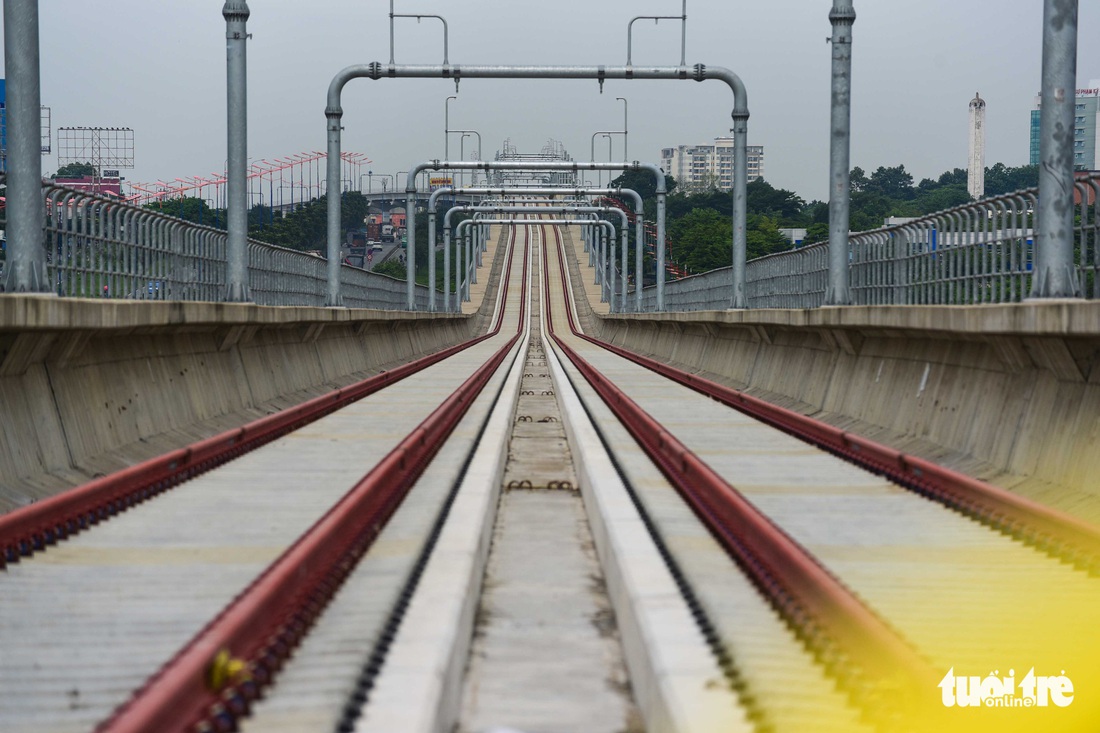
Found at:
[32, 528]
[250, 639]
[836, 623]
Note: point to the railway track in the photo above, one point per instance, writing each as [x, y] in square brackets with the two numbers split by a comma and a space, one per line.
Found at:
[142, 598]
[741, 567]
[957, 596]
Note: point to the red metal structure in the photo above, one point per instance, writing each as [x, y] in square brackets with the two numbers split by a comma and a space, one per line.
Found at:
[269, 181]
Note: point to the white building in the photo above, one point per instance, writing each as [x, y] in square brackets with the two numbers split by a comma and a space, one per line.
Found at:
[702, 167]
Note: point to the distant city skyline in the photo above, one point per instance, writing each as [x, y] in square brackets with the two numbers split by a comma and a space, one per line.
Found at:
[159, 68]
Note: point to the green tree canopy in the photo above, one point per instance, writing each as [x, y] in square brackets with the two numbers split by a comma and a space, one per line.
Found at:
[190, 209]
[393, 268]
[702, 240]
[893, 183]
[1001, 179]
[764, 198]
[75, 170]
[643, 183]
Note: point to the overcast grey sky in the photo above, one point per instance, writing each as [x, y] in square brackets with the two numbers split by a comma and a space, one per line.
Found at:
[158, 66]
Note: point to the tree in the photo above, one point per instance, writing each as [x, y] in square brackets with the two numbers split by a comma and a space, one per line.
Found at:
[75, 170]
[816, 232]
[306, 228]
[956, 176]
[857, 180]
[1001, 179]
[763, 198]
[190, 209]
[391, 268]
[895, 183]
[642, 182]
[943, 197]
[763, 237]
[702, 239]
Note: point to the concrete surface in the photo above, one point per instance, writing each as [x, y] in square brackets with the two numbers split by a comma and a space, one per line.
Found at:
[90, 386]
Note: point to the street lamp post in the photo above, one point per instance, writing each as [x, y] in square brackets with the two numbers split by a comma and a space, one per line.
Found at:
[592, 152]
[462, 154]
[467, 133]
[447, 127]
[625, 128]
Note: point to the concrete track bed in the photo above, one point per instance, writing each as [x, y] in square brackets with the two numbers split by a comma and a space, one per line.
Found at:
[1008, 394]
[88, 387]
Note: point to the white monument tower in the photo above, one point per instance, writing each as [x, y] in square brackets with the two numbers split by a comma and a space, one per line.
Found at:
[975, 171]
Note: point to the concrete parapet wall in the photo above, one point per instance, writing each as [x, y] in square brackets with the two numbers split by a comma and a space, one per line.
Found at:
[90, 386]
[1009, 393]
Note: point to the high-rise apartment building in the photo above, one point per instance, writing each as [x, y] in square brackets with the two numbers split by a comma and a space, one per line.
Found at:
[702, 167]
[1086, 119]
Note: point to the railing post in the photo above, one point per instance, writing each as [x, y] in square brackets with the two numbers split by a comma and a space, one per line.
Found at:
[25, 271]
[1055, 276]
[842, 17]
[236, 15]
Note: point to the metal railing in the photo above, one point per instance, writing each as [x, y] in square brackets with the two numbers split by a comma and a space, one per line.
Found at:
[100, 247]
[981, 252]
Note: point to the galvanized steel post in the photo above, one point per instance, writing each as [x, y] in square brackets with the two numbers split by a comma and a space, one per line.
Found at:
[1055, 276]
[236, 15]
[332, 200]
[661, 245]
[410, 247]
[842, 17]
[740, 205]
[26, 265]
[470, 255]
[447, 268]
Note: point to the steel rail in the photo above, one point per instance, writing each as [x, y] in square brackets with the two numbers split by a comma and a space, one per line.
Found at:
[1052, 531]
[33, 528]
[832, 619]
[211, 683]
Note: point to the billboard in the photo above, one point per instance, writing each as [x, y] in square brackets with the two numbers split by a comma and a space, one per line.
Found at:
[439, 182]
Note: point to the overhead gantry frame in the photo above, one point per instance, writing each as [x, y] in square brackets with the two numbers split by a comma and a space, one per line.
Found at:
[700, 72]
